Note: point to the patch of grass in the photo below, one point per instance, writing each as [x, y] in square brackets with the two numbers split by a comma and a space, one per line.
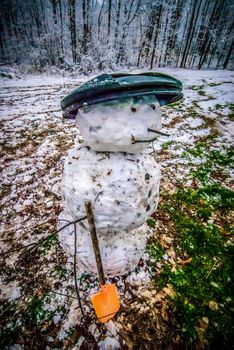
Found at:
[50, 242]
[167, 144]
[62, 271]
[203, 288]
[37, 313]
[212, 160]
[155, 251]
[201, 93]
[192, 112]
[151, 222]
[214, 84]
[86, 279]
[207, 199]
[201, 292]
[178, 105]
[27, 319]
[203, 300]
[231, 107]
[196, 87]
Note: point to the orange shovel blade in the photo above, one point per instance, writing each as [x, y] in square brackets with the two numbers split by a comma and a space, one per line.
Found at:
[106, 302]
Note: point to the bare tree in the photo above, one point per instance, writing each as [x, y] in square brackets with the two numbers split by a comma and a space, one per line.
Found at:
[72, 27]
[109, 19]
[146, 33]
[129, 16]
[191, 28]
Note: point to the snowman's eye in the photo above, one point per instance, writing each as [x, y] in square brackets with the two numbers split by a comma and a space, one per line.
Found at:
[133, 109]
[153, 107]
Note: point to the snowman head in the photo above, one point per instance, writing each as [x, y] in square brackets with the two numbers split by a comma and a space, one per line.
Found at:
[120, 125]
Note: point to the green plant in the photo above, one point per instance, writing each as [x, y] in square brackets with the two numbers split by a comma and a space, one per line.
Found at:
[151, 222]
[37, 313]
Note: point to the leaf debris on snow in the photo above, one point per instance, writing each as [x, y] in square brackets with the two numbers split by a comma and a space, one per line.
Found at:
[34, 143]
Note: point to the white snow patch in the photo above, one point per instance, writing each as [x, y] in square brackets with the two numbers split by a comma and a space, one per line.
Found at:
[10, 291]
[194, 123]
[73, 318]
[47, 147]
[138, 278]
[111, 342]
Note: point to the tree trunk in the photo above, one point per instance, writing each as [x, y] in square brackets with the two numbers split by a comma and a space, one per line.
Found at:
[194, 17]
[109, 20]
[61, 28]
[225, 63]
[72, 20]
[156, 35]
[100, 16]
[117, 23]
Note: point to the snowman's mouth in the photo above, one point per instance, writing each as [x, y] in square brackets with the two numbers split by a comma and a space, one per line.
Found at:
[149, 140]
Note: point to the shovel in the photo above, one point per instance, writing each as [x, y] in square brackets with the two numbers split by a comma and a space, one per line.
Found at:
[106, 300]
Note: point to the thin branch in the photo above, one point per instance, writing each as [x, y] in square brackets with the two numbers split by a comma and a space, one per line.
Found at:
[42, 240]
[109, 330]
[35, 226]
[63, 220]
[135, 14]
[158, 132]
[139, 141]
[64, 295]
[212, 268]
[75, 272]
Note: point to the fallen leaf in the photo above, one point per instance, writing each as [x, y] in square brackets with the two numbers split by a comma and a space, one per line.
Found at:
[213, 305]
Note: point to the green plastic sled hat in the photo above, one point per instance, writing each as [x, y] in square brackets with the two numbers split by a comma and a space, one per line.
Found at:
[107, 87]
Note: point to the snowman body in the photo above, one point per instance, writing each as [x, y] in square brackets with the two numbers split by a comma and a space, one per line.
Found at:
[112, 170]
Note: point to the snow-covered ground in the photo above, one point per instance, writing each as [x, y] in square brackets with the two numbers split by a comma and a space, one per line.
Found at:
[34, 143]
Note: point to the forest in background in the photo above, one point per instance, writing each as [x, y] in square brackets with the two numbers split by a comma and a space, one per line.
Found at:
[107, 34]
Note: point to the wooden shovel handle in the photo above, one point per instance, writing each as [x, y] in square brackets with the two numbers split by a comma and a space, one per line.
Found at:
[93, 233]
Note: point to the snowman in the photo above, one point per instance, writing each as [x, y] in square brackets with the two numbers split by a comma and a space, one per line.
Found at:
[119, 116]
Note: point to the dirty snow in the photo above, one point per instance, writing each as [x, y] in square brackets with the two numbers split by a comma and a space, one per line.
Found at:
[34, 143]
